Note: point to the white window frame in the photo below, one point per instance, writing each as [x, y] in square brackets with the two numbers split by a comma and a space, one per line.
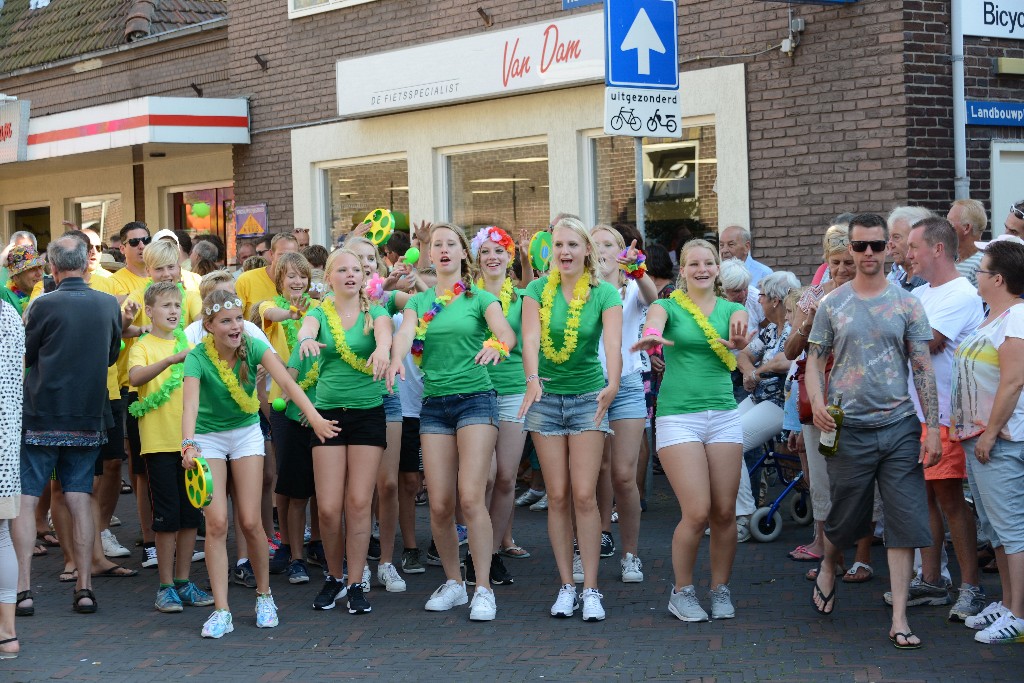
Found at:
[443, 197]
[327, 6]
[322, 230]
[69, 208]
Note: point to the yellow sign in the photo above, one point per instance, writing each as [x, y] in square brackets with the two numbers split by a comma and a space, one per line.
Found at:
[250, 227]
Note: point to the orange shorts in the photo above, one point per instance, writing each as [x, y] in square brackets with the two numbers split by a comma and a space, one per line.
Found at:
[952, 464]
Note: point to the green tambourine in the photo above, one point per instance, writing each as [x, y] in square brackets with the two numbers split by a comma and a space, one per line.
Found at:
[199, 484]
[540, 250]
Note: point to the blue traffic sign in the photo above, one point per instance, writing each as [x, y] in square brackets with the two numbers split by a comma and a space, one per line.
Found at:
[641, 44]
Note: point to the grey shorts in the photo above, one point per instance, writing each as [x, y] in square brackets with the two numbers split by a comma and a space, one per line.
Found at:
[887, 455]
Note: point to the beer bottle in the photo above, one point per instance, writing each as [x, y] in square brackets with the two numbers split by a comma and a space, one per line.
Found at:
[829, 444]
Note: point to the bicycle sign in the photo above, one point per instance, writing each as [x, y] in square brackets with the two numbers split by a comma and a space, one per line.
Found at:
[640, 113]
[625, 117]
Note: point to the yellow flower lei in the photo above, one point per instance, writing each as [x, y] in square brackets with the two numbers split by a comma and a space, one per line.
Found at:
[572, 321]
[686, 303]
[344, 350]
[311, 377]
[504, 296]
[249, 403]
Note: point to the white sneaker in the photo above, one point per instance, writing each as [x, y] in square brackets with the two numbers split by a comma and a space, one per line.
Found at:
[365, 581]
[198, 556]
[387, 576]
[743, 528]
[685, 605]
[150, 560]
[483, 607]
[577, 568]
[1005, 630]
[450, 594]
[566, 602]
[632, 569]
[111, 548]
[218, 624]
[114, 521]
[592, 609]
[721, 603]
[266, 611]
[986, 617]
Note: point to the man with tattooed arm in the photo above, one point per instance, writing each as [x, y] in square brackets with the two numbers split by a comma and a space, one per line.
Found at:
[878, 334]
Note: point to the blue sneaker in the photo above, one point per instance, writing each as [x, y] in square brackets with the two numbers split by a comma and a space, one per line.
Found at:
[282, 557]
[315, 554]
[191, 595]
[243, 575]
[167, 600]
[463, 534]
[218, 624]
[297, 572]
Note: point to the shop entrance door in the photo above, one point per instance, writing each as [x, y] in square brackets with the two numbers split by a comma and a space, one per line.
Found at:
[1007, 170]
[34, 219]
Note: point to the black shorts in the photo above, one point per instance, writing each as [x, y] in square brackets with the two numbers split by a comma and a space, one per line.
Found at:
[113, 449]
[172, 510]
[131, 430]
[294, 451]
[359, 427]
[410, 458]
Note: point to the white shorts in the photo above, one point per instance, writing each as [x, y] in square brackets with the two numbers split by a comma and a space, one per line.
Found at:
[707, 426]
[232, 444]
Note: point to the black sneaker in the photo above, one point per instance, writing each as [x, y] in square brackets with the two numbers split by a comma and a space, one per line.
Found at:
[470, 570]
[373, 552]
[281, 559]
[411, 561]
[332, 591]
[433, 558]
[243, 575]
[357, 603]
[315, 553]
[500, 576]
[607, 544]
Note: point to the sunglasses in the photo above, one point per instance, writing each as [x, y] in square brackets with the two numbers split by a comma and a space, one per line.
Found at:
[861, 246]
[300, 229]
[1017, 211]
[262, 252]
[136, 241]
[96, 247]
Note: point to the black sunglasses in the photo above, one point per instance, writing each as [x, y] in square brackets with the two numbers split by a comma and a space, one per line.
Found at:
[860, 246]
[261, 253]
[1017, 211]
[135, 241]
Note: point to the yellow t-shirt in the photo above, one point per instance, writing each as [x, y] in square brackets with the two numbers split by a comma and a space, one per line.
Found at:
[278, 338]
[160, 428]
[123, 283]
[190, 280]
[253, 287]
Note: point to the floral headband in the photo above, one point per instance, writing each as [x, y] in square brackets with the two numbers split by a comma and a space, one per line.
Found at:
[496, 235]
[227, 306]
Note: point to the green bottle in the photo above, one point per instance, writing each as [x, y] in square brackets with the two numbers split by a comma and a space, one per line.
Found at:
[829, 444]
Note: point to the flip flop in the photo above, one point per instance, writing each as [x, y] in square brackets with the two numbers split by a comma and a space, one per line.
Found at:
[852, 576]
[38, 550]
[514, 551]
[4, 654]
[826, 600]
[44, 538]
[907, 645]
[808, 556]
[68, 577]
[812, 573]
[115, 572]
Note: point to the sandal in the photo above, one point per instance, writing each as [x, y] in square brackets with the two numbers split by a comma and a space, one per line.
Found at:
[906, 645]
[854, 574]
[84, 594]
[8, 655]
[20, 611]
[514, 551]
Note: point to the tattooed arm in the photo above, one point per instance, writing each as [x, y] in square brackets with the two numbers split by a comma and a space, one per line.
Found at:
[924, 382]
[817, 357]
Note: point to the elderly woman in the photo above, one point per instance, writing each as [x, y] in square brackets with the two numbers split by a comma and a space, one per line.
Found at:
[988, 417]
[737, 288]
[12, 353]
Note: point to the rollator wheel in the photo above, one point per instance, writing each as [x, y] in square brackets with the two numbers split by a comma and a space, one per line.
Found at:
[800, 509]
[763, 528]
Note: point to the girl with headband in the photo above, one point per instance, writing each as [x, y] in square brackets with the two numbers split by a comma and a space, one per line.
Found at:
[454, 331]
[220, 423]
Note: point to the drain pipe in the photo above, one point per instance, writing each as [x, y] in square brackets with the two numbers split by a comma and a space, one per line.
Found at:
[961, 181]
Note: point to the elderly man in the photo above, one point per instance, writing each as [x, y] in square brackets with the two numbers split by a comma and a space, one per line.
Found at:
[243, 250]
[967, 216]
[734, 242]
[1014, 224]
[72, 335]
[258, 285]
[301, 236]
[25, 268]
[899, 223]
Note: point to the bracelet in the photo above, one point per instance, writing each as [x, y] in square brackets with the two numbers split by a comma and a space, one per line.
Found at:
[499, 346]
[635, 270]
[189, 443]
[653, 332]
[306, 339]
[538, 378]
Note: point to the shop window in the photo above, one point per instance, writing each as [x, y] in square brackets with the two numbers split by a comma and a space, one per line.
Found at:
[301, 8]
[102, 214]
[680, 177]
[35, 220]
[207, 211]
[355, 190]
[503, 186]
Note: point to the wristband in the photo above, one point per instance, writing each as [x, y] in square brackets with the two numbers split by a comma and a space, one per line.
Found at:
[189, 443]
[653, 332]
[306, 339]
[499, 346]
[538, 378]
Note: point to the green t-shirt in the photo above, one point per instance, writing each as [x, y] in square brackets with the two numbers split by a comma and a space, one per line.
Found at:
[507, 376]
[453, 339]
[341, 385]
[582, 373]
[695, 378]
[218, 411]
[303, 365]
[13, 299]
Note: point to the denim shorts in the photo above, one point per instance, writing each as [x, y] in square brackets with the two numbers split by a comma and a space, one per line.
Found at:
[74, 466]
[392, 408]
[448, 414]
[631, 402]
[508, 408]
[998, 490]
[565, 414]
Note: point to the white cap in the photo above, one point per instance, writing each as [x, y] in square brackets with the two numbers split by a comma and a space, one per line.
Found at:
[160, 234]
[1001, 238]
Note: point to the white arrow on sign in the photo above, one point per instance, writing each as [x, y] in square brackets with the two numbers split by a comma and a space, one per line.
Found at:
[643, 38]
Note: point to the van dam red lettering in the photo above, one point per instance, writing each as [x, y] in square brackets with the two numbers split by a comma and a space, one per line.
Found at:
[513, 65]
[5, 132]
[557, 52]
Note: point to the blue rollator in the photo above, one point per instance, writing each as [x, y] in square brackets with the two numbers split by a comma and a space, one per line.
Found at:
[785, 468]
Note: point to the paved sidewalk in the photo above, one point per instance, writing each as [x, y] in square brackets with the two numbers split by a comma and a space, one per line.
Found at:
[775, 636]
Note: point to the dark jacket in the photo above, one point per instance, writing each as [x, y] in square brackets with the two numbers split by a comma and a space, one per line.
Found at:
[71, 337]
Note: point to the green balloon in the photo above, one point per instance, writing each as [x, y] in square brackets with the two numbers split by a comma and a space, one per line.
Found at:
[412, 256]
[278, 404]
[540, 250]
[401, 221]
[200, 209]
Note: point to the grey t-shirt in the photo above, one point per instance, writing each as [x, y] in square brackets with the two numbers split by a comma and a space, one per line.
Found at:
[869, 339]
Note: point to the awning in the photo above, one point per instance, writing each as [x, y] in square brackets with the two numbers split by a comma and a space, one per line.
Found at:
[139, 121]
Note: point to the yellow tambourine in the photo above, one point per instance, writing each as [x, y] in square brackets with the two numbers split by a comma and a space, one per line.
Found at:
[199, 484]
